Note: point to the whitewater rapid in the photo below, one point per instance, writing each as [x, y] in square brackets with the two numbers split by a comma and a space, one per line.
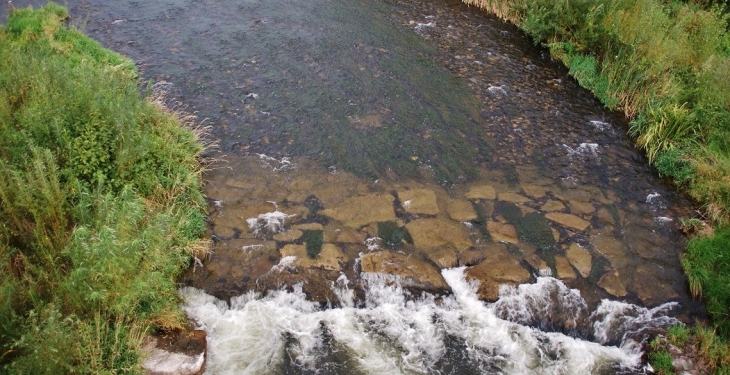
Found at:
[540, 328]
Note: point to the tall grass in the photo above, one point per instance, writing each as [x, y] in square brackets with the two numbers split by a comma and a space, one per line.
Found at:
[665, 64]
[100, 202]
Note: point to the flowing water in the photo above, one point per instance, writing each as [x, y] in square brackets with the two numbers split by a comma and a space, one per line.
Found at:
[406, 187]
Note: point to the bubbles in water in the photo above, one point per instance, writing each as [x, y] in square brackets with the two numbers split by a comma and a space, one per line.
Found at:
[268, 223]
[652, 196]
[276, 165]
[601, 126]
[396, 332]
[584, 149]
[497, 89]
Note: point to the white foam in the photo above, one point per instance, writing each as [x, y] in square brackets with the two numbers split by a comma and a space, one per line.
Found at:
[276, 165]
[652, 196]
[268, 223]
[420, 26]
[395, 333]
[584, 149]
[600, 125]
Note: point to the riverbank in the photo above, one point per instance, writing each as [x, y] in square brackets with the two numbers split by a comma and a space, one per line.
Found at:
[663, 64]
[100, 202]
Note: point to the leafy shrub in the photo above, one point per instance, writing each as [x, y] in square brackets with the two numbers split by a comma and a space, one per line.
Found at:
[100, 202]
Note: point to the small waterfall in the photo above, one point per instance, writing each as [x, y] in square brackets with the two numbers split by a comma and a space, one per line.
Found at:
[541, 328]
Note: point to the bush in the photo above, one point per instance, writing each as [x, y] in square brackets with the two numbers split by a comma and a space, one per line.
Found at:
[100, 202]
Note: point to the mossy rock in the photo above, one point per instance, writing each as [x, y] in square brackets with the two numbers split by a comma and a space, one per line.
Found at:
[392, 234]
[314, 240]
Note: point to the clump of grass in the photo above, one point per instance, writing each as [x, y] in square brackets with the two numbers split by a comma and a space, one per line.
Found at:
[707, 266]
[100, 202]
[710, 352]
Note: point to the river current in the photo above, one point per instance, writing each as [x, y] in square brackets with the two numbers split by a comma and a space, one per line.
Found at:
[406, 187]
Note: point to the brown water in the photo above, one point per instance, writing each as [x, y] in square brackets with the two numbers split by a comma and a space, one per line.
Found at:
[424, 128]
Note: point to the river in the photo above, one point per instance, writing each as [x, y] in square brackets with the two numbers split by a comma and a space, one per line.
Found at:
[406, 187]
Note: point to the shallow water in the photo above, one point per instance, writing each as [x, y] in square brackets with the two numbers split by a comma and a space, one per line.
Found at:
[454, 119]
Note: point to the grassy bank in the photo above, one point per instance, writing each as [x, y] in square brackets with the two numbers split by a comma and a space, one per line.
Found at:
[100, 202]
[666, 65]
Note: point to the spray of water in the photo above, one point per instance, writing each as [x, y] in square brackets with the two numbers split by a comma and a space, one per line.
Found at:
[540, 328]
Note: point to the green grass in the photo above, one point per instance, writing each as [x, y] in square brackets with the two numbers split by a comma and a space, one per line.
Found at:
[100, 202]
[709, 351]
[707, 265]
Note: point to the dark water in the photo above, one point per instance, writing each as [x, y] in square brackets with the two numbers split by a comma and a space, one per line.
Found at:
[418, 92]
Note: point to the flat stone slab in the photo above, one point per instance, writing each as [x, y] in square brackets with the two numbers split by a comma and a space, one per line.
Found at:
[288, 236]
[308, 226]
[565, 271]
[330, 258]
[579, 207]
[358, 211]
[611, 283]
[501, 232]
[461, 210]
[535, 191]
[568, 220]
[552, 205]
[430, 234]
[419, 201]
[580, 258]
[513, 197]
[497, 269]
[481, 192]
[412, 271]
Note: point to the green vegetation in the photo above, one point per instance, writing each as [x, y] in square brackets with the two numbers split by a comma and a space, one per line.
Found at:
[710, 353]
[707, 265]
[392, 234]
[100, 203]
[666, 65]
[314, 239]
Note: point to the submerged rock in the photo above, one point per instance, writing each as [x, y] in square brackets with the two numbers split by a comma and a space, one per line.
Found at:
[501, 232]
[461, 210]
[513, 197]
[430, 234]
[580, 258]
[500, 268]
[330, 258]
[568, 220]
[481, 192]
[612, 284]
[565, 271]
[413, 272]
[552, 205]
[535, 191]
[175, 353]
[419, 201]
[355, 212]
